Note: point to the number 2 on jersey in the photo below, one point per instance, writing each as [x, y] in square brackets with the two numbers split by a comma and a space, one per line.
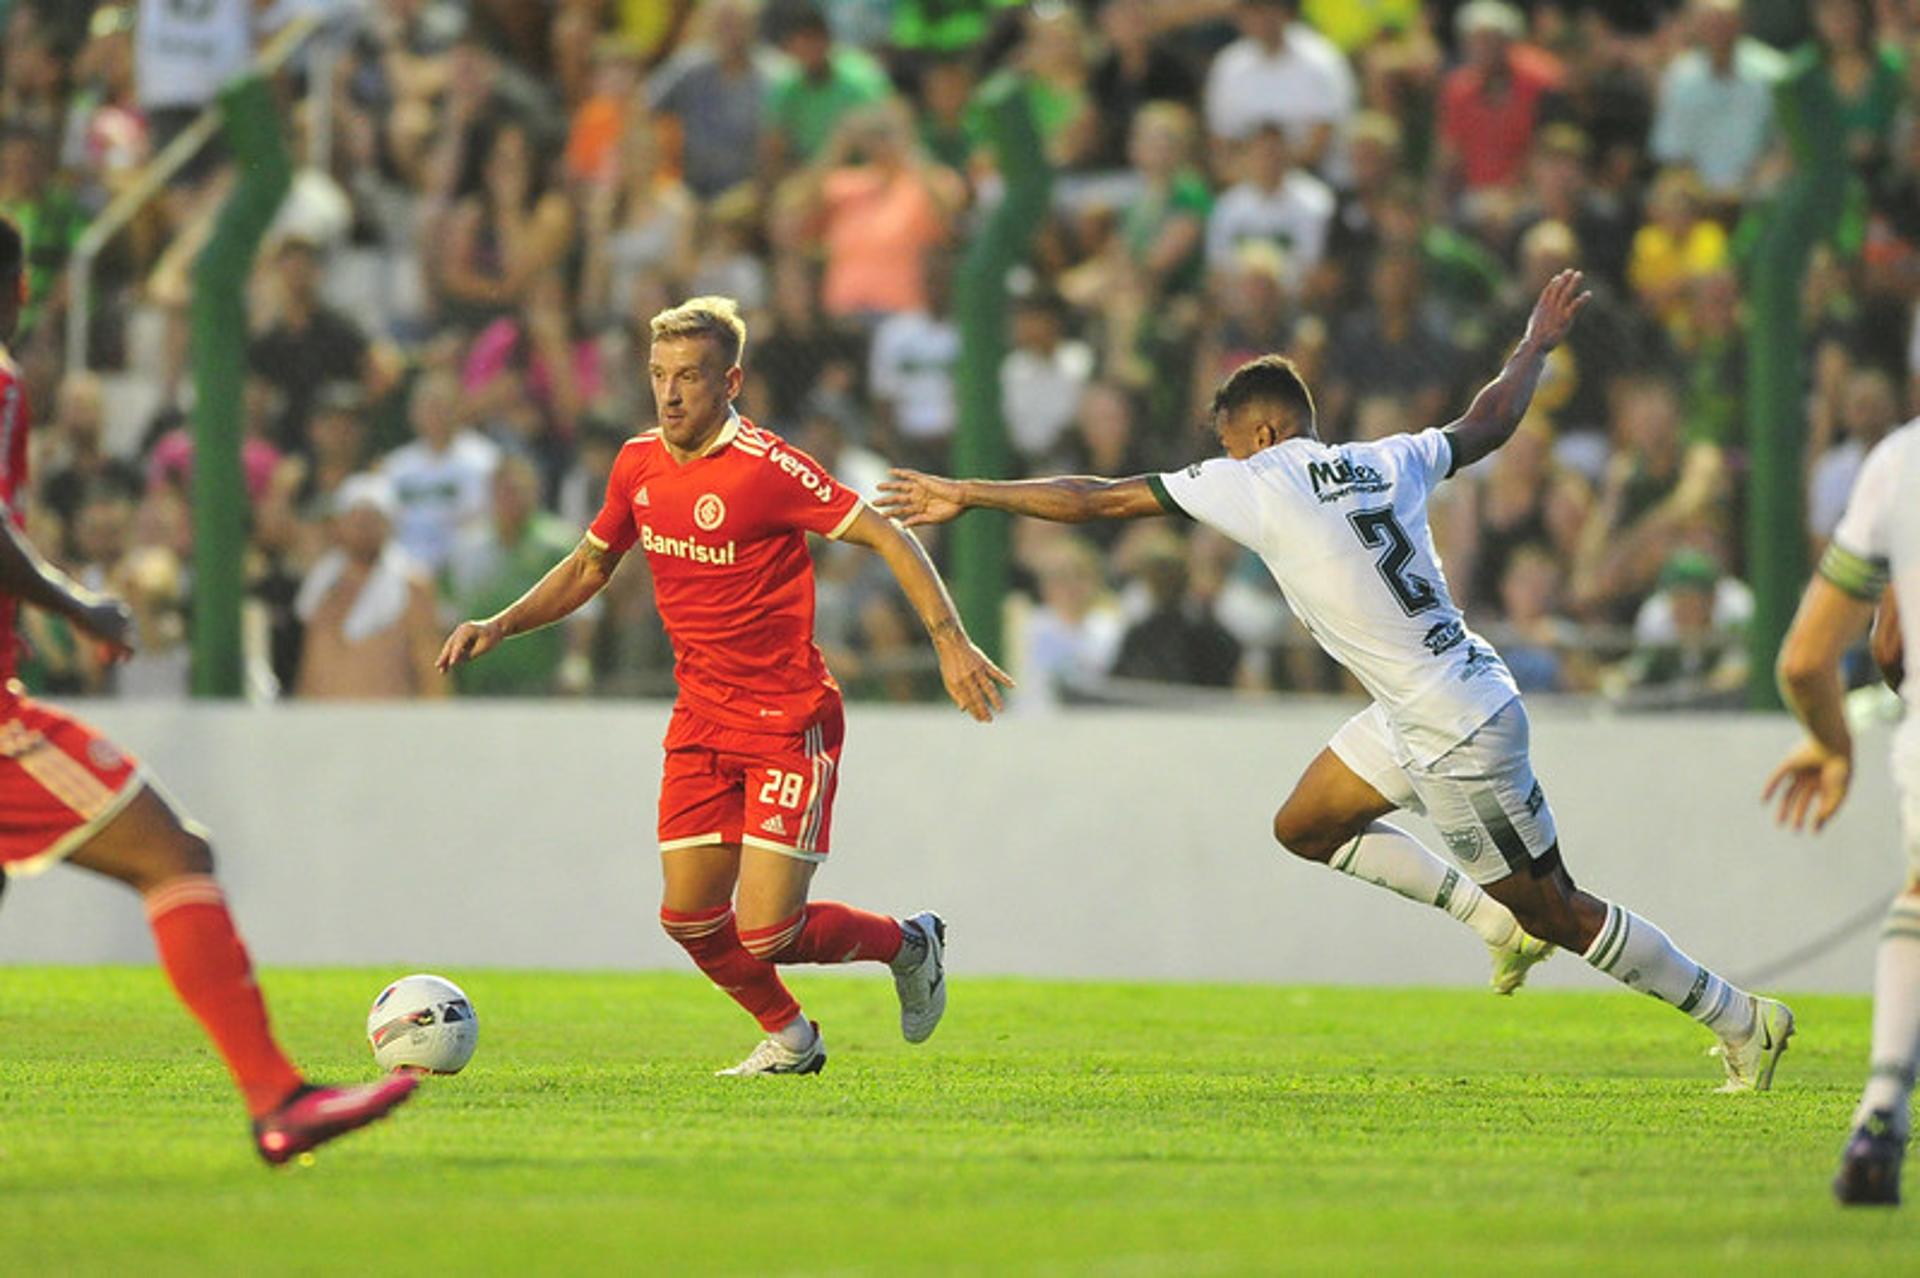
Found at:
[1377, 528]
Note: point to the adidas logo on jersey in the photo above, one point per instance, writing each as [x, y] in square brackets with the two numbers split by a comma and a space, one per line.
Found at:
[774, 825]
[641, 499]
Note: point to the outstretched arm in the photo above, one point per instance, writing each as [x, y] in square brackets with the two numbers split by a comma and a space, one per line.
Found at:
[972, 680]
[1817, 773]
[567, 585]
[1496, 411]
[29, 578]
[916, 499]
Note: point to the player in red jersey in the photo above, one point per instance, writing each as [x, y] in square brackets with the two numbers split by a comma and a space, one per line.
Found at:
[722, 509]
[66, 793]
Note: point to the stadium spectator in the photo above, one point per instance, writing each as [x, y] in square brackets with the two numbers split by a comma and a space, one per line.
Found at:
[1870, 408]
[72, 458]
[1539, 644]
[1177, 641]
[1391, 347]
[910, 375]
[1069, 640]
[49, 217]
[1041, 379]
[183, 53]
[1689, 638]
[820, 84]
[639, 222]
[439, 482]
[1521, 498]
[1560, 189]
[1677, 246]
[1282, 72]
[371, 631]
[506, 230]
[170, 459]
[716, 89]
[1273, 202]
[1866, 77]
[1715, 112]
[1135, 69]
[307, 343]
[492, 565]
[1490, 106]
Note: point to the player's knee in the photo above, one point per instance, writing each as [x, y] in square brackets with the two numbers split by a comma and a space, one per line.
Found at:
[1304, 837]
[768, 939]
[186, 853]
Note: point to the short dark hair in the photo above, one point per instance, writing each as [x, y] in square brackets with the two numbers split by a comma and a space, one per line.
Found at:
[13, 249]
[1270, 379]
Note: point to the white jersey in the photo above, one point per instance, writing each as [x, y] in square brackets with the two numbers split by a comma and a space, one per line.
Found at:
[1878, 539]
[184, 50]
[1343, 529]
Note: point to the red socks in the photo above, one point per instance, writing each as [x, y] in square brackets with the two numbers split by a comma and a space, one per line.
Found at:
[827, 932]
[709, 937]
[209, 968]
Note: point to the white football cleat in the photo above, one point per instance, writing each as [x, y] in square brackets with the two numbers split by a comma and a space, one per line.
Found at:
[775, 1057]
[1511, 963]
[922, 987]
[1750, 1061]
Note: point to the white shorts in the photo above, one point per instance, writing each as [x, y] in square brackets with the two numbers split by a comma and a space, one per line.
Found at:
[1482, 793]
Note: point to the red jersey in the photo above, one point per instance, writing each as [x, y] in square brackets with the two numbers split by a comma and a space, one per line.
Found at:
[13, 489]
[725, 536]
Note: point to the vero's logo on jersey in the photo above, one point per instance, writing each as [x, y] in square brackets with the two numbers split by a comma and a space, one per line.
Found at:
[1343, 478]
[810, 479]
[709, 512]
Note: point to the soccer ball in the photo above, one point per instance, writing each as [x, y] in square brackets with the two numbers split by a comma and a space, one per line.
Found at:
[422, 1023]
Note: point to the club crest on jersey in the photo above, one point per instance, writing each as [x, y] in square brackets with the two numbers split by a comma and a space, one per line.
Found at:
[1342, 477]
[709, 512]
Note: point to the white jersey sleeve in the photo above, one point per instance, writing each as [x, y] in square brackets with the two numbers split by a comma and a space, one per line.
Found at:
[1221, 493]
[1857, 559]
[1430, 451]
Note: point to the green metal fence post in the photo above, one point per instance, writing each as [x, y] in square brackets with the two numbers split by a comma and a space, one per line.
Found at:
[218, 317]
[982, 543]
[1807, 208]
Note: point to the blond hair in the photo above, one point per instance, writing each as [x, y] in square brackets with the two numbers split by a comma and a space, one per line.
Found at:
[712, 316]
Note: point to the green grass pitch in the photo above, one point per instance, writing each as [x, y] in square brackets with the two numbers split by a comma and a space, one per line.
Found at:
[1049, 1128]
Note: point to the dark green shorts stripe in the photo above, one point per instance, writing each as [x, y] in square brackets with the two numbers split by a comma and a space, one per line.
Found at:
[1447, 885]
[1513, 848]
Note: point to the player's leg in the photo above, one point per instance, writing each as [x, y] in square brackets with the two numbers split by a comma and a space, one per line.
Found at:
[789, 821]
[1495, 818]
[146, 846]
[1870, 1167]
[1333, 817]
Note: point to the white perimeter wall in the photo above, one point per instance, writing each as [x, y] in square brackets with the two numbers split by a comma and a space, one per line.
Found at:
[1100, 844]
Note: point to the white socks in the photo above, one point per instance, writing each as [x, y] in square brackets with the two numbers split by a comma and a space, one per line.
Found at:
[796, 1035]
[1896, 1014]
[1639, 956]
[1389, 857]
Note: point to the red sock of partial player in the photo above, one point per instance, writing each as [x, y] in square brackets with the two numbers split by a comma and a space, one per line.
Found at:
[828, 932]
[708, 936]
[210, 970]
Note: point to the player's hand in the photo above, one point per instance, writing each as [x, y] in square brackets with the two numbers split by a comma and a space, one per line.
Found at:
[972, 680]
[110, 622]
[915, 499]
[1811, 780]
[1560, 303]
[470, 639]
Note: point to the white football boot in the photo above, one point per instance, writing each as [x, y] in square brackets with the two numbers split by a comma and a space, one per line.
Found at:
[922, 983]
[774, 1057]
[1750, 1061]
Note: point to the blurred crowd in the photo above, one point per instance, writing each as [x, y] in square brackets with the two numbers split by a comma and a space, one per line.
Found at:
[493, 196]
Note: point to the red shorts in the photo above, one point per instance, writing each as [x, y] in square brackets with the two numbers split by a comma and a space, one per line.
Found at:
[60, 783]
[770, 790]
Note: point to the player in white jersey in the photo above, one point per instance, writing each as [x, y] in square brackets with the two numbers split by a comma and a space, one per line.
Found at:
[1343, 529]
[1877, 539]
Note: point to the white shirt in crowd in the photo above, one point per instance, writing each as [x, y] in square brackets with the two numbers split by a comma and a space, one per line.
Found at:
[439, 494]
[911, 368]
[185, 50]
[1343, 529]
[1307, 83]
[1295, 215]
[1040, 394]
